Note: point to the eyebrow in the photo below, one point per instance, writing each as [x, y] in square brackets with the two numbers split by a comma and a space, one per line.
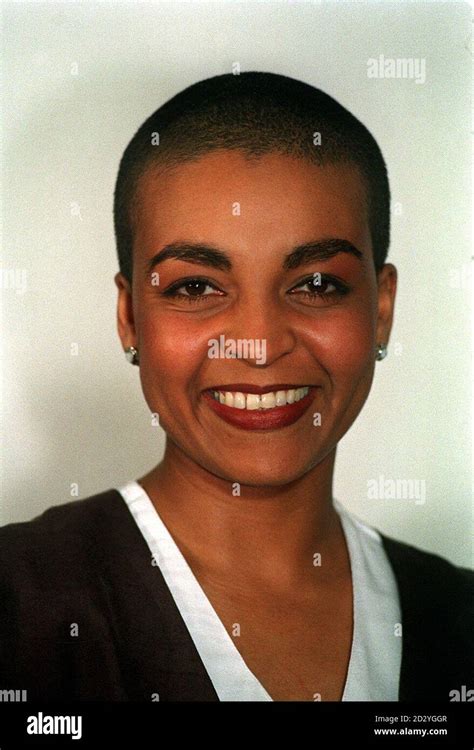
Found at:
[214, 257]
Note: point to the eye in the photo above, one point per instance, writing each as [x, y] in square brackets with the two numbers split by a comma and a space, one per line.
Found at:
[192, 290]
[320, 287]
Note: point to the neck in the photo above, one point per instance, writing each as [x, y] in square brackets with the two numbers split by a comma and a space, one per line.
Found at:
[266, 534]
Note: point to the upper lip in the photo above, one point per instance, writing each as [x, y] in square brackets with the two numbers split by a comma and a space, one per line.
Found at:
[250, 388]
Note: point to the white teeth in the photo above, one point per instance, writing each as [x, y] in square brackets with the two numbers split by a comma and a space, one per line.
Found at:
[239, 401]
[267, 401]
[280, 398]
[254, 401]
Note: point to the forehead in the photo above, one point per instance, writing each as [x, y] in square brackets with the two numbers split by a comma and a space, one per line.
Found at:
[274, 198]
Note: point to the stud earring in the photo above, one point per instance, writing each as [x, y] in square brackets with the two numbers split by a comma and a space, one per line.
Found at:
[381, 351]
[131, 355]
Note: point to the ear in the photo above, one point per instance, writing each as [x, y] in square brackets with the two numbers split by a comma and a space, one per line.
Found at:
[387, 289]
[125, 319]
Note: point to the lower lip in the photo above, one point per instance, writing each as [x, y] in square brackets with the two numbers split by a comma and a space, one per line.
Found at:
[261, 419]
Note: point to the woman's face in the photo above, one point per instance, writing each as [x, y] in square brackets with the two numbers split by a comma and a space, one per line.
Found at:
[302, 330]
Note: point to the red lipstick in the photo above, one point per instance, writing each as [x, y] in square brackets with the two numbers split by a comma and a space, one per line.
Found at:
[259, 419]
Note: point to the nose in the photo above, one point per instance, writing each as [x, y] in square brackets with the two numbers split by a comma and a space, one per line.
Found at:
[267, 329]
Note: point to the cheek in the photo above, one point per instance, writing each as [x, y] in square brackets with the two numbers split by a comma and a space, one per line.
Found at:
[344, 341]
[171, 352]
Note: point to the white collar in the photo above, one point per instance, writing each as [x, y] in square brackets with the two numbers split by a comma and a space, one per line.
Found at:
[374, 665]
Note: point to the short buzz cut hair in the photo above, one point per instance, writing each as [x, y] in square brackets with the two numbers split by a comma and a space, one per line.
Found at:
[257, 113]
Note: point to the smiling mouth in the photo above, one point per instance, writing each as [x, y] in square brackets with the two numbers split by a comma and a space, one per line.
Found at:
[252, 407]
[259, 401]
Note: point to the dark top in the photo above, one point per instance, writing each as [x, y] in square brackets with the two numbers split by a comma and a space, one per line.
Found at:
[85, 615]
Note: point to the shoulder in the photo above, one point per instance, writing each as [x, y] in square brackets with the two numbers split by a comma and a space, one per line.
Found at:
[57, 617]
[64, 517]
[62, 538]
[412, 565]
[436, 596]
[428, 584]
[426, 568]
[437, 611]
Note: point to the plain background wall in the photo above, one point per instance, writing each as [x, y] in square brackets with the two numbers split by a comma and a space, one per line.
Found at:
[79, 78]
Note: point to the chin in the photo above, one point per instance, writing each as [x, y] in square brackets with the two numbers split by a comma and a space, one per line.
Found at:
[253, 473]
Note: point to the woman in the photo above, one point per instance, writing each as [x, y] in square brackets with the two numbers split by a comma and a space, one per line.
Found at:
[252, 224]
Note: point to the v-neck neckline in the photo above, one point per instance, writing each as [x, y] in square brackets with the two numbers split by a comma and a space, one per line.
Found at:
[230, 675]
